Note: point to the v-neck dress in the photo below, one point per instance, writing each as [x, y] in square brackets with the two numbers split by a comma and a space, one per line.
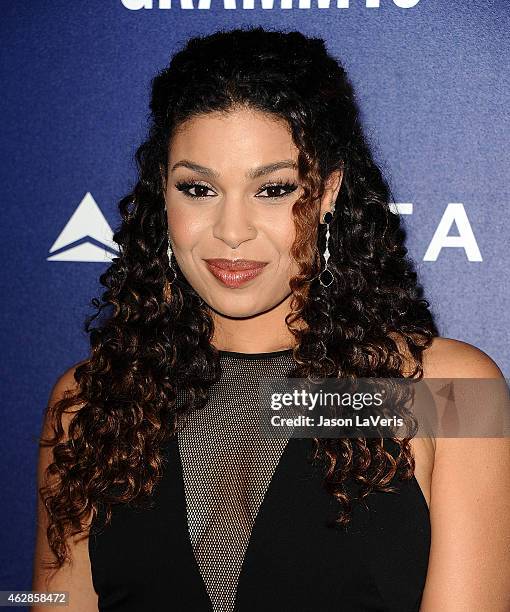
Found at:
[241, 522]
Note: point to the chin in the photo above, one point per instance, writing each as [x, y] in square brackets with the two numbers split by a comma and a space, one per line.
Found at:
[237, 311]
[238, 307]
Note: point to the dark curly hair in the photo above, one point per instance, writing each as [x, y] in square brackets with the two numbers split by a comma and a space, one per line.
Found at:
[152, 338]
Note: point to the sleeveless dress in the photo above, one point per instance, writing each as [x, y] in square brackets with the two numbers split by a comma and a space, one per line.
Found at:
[241, 522]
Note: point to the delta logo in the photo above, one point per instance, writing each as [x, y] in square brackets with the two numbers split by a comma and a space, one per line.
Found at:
[86, 237]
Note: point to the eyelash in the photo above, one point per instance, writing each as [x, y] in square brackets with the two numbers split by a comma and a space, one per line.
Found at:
[289, 186]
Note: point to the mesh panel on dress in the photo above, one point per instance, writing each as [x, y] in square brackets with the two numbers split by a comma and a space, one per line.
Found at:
[227, 468]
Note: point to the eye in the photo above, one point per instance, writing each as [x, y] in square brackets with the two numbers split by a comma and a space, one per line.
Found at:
[274, 189]
[277, 186]
[201, 189]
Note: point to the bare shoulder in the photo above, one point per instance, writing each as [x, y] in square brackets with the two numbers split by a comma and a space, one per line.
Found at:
[450, 358]
[469, 566]
[65, 386]
[66, 382]
[76, 576]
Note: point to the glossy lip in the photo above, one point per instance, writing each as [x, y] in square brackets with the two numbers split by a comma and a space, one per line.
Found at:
[235, 273]
[236, 264]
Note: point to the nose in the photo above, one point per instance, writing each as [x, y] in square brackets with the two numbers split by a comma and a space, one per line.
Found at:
[233, 224]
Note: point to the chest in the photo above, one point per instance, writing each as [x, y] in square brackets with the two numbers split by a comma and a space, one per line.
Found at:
[294, 559]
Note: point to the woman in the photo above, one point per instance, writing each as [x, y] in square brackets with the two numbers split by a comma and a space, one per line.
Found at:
[256, 170]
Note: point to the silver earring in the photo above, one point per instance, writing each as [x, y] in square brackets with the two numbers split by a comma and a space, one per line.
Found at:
[169, 252]
[326, 277]
[172, 269]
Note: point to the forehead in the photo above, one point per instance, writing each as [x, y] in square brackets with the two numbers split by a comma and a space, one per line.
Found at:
[233, 142]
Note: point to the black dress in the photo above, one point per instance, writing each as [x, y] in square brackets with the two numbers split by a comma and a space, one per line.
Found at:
[241, 522]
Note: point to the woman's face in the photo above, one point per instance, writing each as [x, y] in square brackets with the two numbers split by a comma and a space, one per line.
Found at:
[231, 183]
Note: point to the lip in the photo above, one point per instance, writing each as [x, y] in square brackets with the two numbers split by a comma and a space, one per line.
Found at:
[235, 272]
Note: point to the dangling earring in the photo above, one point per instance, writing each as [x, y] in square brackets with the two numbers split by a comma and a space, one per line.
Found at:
[169, 253]
[326, 277]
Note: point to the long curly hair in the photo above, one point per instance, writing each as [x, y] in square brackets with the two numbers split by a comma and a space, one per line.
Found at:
[152, 338]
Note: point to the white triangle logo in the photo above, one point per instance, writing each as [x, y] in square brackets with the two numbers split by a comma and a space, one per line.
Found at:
[87, 221]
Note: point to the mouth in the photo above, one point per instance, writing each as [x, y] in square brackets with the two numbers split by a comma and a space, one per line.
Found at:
[235, 272]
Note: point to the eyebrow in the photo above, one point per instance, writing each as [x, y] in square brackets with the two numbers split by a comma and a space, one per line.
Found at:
[251, 174]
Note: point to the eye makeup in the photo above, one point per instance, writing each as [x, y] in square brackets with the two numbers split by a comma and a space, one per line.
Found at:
[184, 186]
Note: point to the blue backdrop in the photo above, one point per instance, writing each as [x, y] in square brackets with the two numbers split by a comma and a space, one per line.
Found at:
[432, 79]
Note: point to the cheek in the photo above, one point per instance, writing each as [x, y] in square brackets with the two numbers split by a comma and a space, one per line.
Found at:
[282, 240]
[183, 229]
[284, 237]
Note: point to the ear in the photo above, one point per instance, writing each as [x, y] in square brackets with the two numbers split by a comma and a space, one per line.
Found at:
[331, 191]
